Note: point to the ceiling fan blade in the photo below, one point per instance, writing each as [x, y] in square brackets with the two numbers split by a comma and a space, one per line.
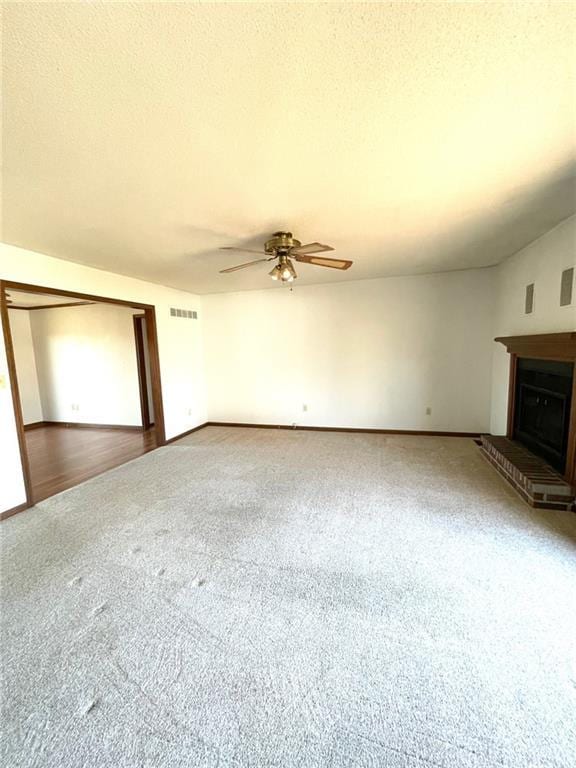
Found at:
[242, 266]
[240, 250]
[320, 261]
[312, 248]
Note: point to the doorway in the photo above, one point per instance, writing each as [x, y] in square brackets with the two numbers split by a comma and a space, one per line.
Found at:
[62, 442]
[144, 374]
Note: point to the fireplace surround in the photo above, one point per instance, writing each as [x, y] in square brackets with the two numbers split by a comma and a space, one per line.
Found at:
[542, 397]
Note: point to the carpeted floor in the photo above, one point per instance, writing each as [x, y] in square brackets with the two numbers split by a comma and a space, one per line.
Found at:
[275, 598]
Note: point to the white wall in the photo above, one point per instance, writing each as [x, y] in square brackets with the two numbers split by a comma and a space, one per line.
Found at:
[541, 263]
[180, 340]
[369, 353]
[26, 369]
[86, 362]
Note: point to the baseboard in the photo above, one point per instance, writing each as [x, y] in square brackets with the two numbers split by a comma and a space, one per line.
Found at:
[188, 432]
[14, 510]
[80, 425]
[358, 430]
[299, 427]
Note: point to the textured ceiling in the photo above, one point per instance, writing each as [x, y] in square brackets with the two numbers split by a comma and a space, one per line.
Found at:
[139, 137]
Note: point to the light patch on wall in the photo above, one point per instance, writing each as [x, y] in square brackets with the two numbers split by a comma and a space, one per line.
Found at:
[566, 287]
[86, 364]
[529, 299]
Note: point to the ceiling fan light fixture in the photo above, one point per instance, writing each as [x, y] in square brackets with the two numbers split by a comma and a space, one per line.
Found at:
[288, 273]
[284, 272]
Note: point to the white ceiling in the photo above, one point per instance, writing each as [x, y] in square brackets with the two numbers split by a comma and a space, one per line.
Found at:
[413, 137]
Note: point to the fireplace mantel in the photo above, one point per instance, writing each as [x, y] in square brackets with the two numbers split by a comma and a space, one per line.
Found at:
[544, 346]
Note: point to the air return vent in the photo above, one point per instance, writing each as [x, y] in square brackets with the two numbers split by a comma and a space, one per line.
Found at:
[566, 287]
[190, 314]
[529, 300]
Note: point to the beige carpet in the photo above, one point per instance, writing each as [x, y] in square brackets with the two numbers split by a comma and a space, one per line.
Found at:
[277, 598]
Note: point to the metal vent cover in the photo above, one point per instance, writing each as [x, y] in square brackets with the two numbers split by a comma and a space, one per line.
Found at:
[529, 299]
[190, 314]
[566, 287]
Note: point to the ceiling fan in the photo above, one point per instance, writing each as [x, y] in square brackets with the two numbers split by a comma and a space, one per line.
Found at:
[283, 248]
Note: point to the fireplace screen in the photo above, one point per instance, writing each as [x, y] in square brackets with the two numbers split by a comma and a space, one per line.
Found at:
[542, 408]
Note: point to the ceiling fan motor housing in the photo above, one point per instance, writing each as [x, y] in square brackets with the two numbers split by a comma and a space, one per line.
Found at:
[281, 243]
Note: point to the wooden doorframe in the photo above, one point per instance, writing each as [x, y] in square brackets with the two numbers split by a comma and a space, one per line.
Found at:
[141, 365]
[149, 313]
[15, 403]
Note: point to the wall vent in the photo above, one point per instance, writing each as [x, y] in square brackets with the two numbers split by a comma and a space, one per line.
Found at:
[529, 300]
[190, 314]
[566, 287]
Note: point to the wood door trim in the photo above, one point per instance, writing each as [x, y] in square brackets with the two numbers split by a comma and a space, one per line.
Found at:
[141, 367]
[53, 306]
[82, 425]
[16, 403]
[152, 335]
[155, 376]
[28, 288]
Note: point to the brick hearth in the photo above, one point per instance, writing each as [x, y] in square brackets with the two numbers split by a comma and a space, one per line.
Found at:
[536, 482]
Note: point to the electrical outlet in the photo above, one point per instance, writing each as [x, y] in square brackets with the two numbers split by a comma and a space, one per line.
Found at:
[428, 411]
[304, 407]
[189, 411]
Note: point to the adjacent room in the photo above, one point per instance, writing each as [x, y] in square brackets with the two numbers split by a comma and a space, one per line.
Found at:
[287, 385]
[85, 385]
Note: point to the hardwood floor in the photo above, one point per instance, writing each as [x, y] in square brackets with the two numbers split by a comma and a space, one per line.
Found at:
[61, 457]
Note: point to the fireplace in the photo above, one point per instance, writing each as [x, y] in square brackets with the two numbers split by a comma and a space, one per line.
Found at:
[538, 455]
[542, 405]
[542, 398]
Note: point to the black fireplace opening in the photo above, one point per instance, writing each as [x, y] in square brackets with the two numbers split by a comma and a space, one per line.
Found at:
[542, 408]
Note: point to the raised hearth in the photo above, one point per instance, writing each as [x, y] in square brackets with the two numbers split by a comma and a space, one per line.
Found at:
[535, 480]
